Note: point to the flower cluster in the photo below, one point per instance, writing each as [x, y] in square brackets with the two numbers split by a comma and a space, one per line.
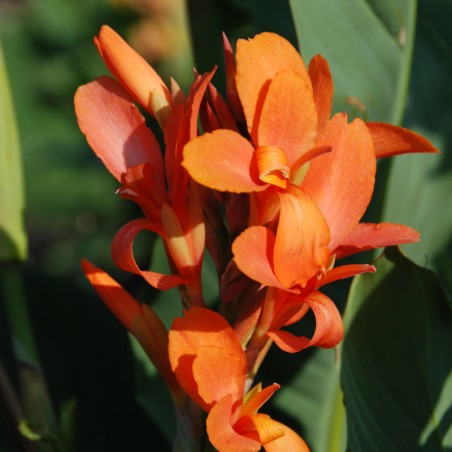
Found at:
[274, 190]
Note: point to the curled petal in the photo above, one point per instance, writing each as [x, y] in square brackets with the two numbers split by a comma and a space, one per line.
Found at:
[273, 166]
[123, 141]
[366, 236]
[221, 433]
[201, 337]
[392, 140]
[328, 332]
[257, 399]
[122, 253]
[223, 160]
[132, 70]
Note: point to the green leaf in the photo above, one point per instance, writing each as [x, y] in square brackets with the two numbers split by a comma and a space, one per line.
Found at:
[396, 361]
[368, 45]
[13, 241]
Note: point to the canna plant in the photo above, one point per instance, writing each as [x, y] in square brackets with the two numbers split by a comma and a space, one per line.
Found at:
[274, 189]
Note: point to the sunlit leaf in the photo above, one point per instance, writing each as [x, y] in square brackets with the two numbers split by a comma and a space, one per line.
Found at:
[13, 241]
[368, 46]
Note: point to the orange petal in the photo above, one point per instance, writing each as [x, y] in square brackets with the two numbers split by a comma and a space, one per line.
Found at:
[114, 127]
[345, 271]
[301, 239]
[272, 165]
[329, 329]
[132, 70]
[219, 372]
[203, 328]
[253, 254]
[288, 118]
[255, 402]
[122, 253]
[222, 434]
[322, 84]
[290, 441]
[223, 160]
[341, 182]
[392, 140]
[366, 236]
[258, 61]
[137, 318]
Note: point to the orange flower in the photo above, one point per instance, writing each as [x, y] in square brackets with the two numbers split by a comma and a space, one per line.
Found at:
[210, 365]
[116, 131]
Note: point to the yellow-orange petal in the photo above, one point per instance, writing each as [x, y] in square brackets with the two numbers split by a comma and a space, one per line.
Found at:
[290, 441]
[392, 140]
[222, 434]
[322, 84]
[366, 236]
[329, 329]
[132, 70]
[341, 182]
[114, 127]
[258, 61]
[253, 254]
[257, 399]
[301, 239]
[288, 118]
[203, 328]
[223, 160]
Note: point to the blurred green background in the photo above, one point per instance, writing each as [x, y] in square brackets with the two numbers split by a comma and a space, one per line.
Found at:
[72, 210]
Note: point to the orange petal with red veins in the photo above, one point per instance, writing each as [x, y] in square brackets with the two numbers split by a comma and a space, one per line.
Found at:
[329, 329]
[392, 140]
[253, 254]
[341, 182]
[288, 118]
[258, 61]
[137, 318]
[301, 239]
[222, 434]
[114, 127]
[131, 69]
[366, 236]
[322, 84]
[122, 254]
[290, 441]
[203, 328]
[223, 160]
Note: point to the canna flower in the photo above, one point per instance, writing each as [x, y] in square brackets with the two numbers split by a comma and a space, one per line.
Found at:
[116, 131]
[316, 173]
[210, 365]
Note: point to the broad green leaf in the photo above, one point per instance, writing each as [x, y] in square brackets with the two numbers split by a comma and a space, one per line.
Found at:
[13, 241]
[368, 45]
[396, 369]
[314, 399]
